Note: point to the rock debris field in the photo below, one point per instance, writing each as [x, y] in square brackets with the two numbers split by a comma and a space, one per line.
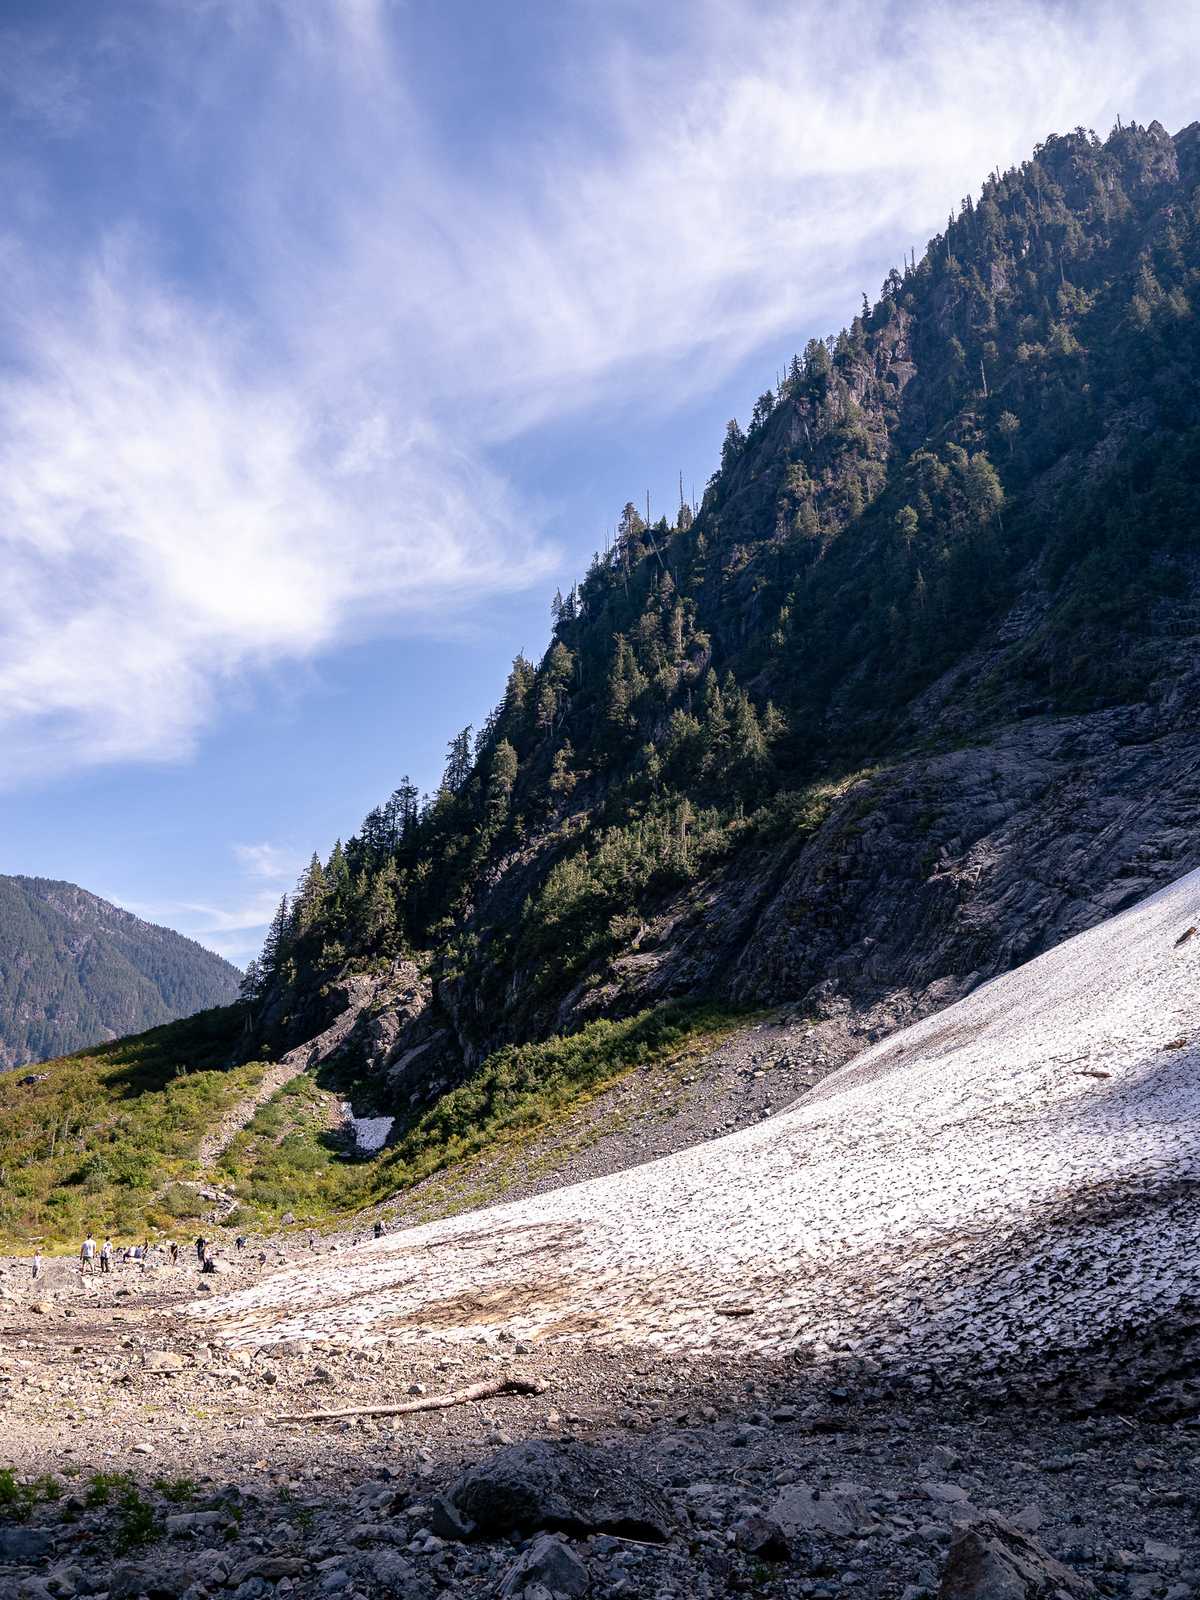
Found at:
[1012, 1176]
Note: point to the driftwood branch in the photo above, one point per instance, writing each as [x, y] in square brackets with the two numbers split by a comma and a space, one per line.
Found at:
[428, 1402]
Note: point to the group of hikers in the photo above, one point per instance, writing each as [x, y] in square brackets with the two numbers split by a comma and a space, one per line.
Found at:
[101, 1258]
[93, 1257]
[206, 1252]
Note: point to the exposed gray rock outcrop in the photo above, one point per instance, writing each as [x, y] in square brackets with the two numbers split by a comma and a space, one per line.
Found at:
[994, 1560]
[570, 1488]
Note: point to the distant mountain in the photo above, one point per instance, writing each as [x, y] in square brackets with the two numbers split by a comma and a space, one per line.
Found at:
[75, 970]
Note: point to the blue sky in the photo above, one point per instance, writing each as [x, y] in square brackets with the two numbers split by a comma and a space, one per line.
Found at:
[336, 333]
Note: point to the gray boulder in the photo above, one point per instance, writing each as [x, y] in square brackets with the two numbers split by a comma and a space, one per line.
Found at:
[994, 1560]
[396, 1575]
[800, 1509]
[164, 1361]
[567, 1488]
[130, 1581]
[763, 1537]
[25, 1544]
[548, 1566]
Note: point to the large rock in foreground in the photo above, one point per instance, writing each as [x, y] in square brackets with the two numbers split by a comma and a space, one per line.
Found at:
[567, 1488]
[993, 1560]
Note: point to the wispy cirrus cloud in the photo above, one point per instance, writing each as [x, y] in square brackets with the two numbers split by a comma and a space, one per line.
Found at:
[235, 926]
[272, 861]
[250, 405]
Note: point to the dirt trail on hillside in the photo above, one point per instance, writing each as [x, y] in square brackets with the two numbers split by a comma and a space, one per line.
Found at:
[304, 1058]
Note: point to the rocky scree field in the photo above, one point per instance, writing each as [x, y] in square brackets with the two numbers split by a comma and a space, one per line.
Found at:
[960, 1360]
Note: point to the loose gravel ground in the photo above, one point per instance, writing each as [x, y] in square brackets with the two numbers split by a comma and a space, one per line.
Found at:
[111, 1377]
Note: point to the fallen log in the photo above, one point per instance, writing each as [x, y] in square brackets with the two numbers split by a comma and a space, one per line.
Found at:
[428, 1402]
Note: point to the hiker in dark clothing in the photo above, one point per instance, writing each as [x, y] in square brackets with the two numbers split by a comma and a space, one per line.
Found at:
[200, 1244]
[174, 1254]
[378, 1229]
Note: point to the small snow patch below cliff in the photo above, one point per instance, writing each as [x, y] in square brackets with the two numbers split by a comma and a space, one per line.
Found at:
[369, 1134]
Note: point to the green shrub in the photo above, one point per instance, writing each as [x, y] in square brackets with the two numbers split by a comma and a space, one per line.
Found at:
[180, 1202]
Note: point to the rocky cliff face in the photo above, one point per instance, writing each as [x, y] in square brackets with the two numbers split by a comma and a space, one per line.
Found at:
[925, 880]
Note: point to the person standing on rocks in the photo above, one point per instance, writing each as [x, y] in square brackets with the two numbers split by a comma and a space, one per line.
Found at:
[106, 1257]
[378, 1229]
[174, 1254]
[37, 1264]
[87, 1255]
[200, 1244]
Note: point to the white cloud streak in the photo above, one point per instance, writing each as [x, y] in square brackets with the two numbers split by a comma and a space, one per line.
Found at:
[234, 930]
[267, 860]
[204, 476]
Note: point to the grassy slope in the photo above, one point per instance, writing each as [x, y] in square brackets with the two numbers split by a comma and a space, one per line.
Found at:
[287, 1159]
[97, 1143]
[110, 1138]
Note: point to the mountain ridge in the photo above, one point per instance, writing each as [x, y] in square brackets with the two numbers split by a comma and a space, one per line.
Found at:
[76, 970]
[908, 700]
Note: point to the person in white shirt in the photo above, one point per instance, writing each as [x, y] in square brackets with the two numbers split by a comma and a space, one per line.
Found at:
[87, 1255]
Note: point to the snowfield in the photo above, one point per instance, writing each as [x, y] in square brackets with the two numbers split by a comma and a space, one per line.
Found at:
[1014, 1174]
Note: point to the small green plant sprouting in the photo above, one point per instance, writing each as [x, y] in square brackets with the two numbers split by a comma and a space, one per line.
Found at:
[102, 1486]
[177, 1490]
[136, 1523]
[19, 1498]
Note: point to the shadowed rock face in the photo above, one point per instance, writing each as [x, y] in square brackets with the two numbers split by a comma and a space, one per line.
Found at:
[993, 1560]
[925, 880]
[570, 1488]
[953, 870]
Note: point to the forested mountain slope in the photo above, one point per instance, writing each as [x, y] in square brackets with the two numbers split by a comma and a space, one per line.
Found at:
[909, 697]
[75, 970]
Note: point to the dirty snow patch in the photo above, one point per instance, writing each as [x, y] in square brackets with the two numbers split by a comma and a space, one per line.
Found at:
[370, 1134]
[1015, 1174]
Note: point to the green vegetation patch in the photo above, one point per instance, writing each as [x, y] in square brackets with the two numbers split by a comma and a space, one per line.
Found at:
[523, 1088]
[101, 1140]
[289, 1158]
[108, 1141]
